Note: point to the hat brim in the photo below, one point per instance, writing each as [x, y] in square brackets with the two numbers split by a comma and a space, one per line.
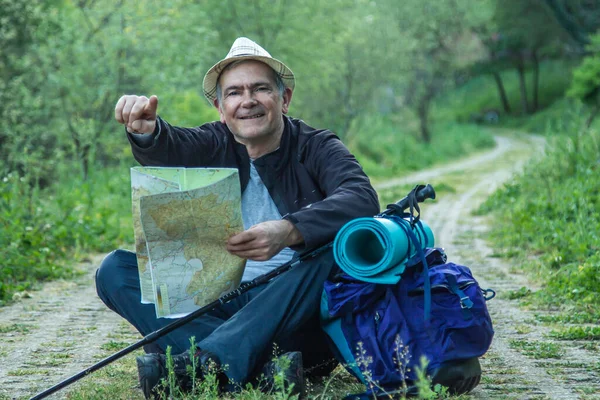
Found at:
[212, 76]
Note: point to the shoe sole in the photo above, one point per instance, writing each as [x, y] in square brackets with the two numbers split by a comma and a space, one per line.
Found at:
[460, 377]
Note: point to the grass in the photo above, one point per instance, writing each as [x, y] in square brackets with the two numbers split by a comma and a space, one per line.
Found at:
[537, 349]
[570, 317]
[523, 329]
[576, 333]
[119, 381]
[114, 346]
[29, 371]
[15, 328]
[518, 294]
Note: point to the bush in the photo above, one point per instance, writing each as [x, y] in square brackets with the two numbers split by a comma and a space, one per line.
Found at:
[45, 230]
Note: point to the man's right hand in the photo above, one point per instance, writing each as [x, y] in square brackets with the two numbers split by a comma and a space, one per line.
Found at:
[137, 113]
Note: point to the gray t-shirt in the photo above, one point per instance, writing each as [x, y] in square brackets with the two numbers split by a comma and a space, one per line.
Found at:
[257, 207]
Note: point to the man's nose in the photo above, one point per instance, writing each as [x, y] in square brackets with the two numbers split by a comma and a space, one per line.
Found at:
[248, 99]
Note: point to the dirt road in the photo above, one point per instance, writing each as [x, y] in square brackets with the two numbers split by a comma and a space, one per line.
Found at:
[64, 327]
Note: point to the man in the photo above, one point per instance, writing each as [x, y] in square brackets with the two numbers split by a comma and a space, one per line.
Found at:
[300, 185]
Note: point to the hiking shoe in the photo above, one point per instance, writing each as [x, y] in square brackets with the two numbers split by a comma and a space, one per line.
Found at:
[459, 376]
[290, 366]
[152, 369]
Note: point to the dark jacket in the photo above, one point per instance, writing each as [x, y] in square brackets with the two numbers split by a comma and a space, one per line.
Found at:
[315, 182]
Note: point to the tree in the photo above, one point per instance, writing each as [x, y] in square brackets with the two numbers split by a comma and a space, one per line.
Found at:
[527, 34]
[24, 108]
[433, 32]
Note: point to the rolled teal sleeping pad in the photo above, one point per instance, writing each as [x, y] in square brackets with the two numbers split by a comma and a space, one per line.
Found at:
[376, 249]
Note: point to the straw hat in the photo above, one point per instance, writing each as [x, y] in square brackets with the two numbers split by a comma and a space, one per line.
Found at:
[245, 49]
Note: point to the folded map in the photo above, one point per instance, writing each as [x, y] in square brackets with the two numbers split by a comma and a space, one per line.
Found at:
[182, 219]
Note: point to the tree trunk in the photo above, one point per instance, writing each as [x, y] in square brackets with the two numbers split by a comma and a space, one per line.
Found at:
[523, 86]
[501, 91]
[423, 108]
[536, 81]
[592, 116]
[423, 112]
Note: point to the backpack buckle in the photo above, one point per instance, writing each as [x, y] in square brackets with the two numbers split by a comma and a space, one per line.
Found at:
[465, 302]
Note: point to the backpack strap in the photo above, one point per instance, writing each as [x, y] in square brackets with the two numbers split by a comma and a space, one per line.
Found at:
[426, 282]
[415, 223]
[408, 229]
[465, 302]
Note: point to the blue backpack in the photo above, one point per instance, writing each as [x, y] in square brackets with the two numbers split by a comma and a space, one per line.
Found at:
[380, 332]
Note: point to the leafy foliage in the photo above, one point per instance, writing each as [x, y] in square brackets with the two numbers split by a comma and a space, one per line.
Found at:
[586, 79]
[42, 227]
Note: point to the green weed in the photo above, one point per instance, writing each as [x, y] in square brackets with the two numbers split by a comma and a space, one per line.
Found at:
[114, 346]
[29, 371]
[523, 329]
[587, 317]
[15, 328]
[576, 333]
[538, 349]
[518, 294]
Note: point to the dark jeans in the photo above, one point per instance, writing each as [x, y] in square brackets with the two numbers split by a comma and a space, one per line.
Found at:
[242, 332]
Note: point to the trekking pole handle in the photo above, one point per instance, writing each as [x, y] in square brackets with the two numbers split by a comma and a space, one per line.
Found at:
[426, 192]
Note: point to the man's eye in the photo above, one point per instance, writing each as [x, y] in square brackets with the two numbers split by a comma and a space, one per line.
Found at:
[232, 93]
[262, 89]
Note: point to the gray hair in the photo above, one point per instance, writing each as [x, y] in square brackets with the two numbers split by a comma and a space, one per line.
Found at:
[278, 81]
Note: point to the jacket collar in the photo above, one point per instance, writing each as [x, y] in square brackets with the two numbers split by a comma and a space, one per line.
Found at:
[277, 159]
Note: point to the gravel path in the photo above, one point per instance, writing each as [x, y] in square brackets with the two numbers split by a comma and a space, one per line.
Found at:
[64, 327]
[56, 333]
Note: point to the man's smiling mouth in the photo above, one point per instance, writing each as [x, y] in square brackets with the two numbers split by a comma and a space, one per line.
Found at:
[252, 116]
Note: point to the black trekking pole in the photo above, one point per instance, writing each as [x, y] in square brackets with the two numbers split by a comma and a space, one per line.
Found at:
[420, 193]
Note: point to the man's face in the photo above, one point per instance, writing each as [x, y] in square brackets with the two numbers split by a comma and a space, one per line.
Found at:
[251, 105]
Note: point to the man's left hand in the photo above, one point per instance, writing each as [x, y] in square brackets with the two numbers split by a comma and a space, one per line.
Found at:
[264, 240]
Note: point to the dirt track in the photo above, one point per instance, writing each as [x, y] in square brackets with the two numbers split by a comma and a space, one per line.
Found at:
[62, 328]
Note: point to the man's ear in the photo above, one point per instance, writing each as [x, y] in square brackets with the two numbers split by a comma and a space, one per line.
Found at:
[217, 106]
[287, 99]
